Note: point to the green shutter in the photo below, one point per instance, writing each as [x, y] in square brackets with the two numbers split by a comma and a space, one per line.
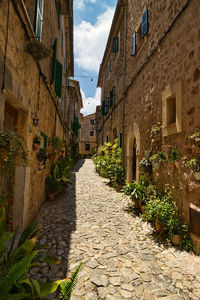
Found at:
[58, 82]
[53, 76]
[59, 15]
[39, 18]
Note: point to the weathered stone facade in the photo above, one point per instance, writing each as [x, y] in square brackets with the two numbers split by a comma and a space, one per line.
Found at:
[87, 142]
[30, 88]
[156, 81]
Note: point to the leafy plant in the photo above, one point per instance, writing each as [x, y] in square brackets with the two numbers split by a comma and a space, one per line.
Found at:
[108, 163]
[18, 255]
[193, 164]
[174, 224]
[174, 155]
[42, 155]
[155, 130]
[160, 156]
[146, 165]
[37, 139]
[195, 138]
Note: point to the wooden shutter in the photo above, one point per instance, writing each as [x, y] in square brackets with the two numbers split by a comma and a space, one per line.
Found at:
[53, 76]
[58, 83]
[39, 18]
[134, 44]
[144, 23]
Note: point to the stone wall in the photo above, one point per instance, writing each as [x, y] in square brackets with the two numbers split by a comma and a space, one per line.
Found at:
[30, 93]
[85, 137]
[160, 64]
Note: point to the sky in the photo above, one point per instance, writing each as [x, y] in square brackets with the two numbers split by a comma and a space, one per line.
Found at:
[92, 22]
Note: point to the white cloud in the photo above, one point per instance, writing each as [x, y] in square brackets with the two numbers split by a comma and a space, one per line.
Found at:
[80, 4]
[90, 103]
[90, 40]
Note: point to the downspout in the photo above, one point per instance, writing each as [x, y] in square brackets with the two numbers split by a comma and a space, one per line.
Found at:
[6, 47]
[124, 88]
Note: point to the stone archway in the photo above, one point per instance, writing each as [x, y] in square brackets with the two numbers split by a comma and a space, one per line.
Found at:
[132, 153]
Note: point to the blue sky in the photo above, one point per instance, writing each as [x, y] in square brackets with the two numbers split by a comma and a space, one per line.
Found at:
[92, 21]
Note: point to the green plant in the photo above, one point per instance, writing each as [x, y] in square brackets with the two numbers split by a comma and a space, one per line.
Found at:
[193, 164]
[155, 130]
[18, 255]
[160, 156]
[42, 155]
[146, 165]
[108, 163]
[186, 243]
[37, 139]
[195, 138]
[174, 155]
[174, 224]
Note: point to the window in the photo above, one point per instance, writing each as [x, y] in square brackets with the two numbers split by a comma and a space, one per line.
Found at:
[106, 106]
[134, 44]
[92, 122]
[87, 147]
[144, 27]
[39, 18]
[114, 133]
[92, 133]
[116, 46]
[171, 109]
[107, 139]
[112, 96]
[58, 82]
[120, 140]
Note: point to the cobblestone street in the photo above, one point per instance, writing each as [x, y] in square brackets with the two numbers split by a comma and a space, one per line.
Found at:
[121, 258]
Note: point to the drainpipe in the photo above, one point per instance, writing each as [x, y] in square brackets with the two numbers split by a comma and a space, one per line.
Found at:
[124, 87]
[6, 46]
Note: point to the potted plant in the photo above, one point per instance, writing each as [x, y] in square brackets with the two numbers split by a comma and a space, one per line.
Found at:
[195, 139]
[157, 158]
[194, 164]
[174, 156]
[36, 142]
[146, 165]
[175, 229]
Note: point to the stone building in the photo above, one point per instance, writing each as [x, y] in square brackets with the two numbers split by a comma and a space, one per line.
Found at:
[150, 81]
[87, 142]
[36, 58]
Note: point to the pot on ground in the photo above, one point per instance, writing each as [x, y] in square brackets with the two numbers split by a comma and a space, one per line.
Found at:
[160, 227]
[175, 239]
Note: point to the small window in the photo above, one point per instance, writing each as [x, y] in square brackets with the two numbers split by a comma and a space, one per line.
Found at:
[171, 109]
[39, 19]
[87, 147]
[114, 133]
[92, 122]
[92, 133]
[107, 139]
[120, 140]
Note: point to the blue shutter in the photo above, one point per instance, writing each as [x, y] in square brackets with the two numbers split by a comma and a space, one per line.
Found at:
[39, 18]
[134, 44]
[144, 23]
[115, 45]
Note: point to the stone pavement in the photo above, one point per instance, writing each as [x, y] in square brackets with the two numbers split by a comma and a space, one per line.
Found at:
[121, 259]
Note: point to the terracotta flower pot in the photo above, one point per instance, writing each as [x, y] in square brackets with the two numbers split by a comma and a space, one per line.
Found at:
[176, 239]
[196, 175]
[36, 146]
[160, 227]
[138, 204]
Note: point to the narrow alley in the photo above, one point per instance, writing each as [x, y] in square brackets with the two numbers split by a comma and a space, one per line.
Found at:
[121, 258]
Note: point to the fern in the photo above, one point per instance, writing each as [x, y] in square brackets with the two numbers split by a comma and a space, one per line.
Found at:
[29, 232]
[68, 286]
[15, 273]
[25, 249]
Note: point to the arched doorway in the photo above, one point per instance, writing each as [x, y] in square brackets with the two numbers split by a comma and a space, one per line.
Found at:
[133, 151]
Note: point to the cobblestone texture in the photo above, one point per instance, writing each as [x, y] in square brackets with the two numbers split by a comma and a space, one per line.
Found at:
[121, 258]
